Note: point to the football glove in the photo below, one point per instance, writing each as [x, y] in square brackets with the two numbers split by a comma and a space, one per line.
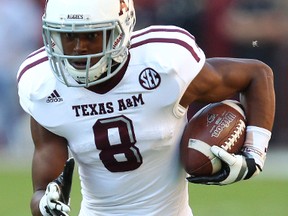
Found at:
[239, 167]
[56, 199]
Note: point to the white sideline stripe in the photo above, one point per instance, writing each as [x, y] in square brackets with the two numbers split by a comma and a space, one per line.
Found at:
[201, 146]
[204, 148]
[233, 104]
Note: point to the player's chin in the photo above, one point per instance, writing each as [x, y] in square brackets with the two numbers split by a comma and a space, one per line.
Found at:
[82, 65]
[79, 65]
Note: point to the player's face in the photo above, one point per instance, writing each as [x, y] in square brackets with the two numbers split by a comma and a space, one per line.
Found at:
[77, 44]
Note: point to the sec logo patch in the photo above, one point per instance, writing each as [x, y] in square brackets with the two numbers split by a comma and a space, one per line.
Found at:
[149, 79]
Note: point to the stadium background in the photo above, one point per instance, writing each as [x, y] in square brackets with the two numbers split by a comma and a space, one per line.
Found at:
[235, 28]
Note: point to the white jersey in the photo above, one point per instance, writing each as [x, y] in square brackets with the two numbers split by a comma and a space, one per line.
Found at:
[125, 138]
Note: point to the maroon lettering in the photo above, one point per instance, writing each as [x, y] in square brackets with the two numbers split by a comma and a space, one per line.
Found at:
[123, 6]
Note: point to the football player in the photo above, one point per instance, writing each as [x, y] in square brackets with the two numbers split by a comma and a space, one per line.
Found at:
[117, 101]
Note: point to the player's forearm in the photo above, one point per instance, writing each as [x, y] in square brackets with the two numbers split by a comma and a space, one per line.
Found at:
[34, 204]
[260, 110]
[260, 98]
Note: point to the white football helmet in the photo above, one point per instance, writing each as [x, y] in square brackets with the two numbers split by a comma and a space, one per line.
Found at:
[78, 16]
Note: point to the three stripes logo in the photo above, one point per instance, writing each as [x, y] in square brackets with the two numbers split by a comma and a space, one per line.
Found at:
[54, 97]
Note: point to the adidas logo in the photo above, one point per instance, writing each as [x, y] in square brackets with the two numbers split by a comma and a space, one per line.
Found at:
[54, 97]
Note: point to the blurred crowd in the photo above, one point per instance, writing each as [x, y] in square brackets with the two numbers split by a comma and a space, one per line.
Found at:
[234, 28]
[20, 34]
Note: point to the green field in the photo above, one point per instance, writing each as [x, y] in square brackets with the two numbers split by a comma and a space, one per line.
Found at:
[257, 197]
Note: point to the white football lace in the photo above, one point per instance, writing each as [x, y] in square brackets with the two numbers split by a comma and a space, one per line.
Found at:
[234, 136]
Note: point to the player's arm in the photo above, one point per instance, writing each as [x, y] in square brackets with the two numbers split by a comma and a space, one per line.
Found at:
[222, 78]
[49, 158]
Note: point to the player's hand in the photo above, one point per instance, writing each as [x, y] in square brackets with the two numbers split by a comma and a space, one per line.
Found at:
[239, 167]
[56, 199]
[234, 168]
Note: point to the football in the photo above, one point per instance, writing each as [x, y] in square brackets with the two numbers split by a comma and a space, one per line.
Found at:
[222, 124]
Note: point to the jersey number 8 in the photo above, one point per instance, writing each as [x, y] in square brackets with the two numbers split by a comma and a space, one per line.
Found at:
[115, 139]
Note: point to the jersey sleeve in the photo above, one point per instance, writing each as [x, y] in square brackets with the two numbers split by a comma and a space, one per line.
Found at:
[173, 50]
[190, 61]
[32, 79]
[172, 47]
[23, 87]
